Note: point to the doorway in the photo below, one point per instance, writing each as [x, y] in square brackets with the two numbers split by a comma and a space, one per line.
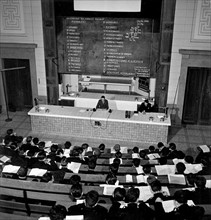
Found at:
[18, 84]
[197, 101]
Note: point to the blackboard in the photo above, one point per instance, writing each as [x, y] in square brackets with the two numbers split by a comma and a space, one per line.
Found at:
[107, 46]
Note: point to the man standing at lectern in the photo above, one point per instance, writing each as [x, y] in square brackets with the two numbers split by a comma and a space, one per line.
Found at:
[102, 103]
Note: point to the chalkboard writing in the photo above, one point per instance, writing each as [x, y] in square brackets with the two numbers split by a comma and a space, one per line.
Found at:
[108, 46]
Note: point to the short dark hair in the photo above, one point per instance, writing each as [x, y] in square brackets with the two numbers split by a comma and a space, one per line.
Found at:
[102, 147]
[76, 190]
[156, 186]
[92, 198]
[67, 144]
[181, 196]
[180, 168]
[75, 179]
[35, 140]
[57, 212]
[147, 169]
[119, 194]
[189, 159]
[102, 97]
[200, 182]
[136, 162]
[111, 179]
[172, 146]
[132, 194]
[114, 168]
[151, 148]
[135, 150]
[160, 144]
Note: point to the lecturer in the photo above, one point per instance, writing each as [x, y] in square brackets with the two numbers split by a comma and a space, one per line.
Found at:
[102, 103]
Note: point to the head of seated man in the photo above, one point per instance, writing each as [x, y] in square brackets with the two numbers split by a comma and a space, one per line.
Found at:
[58, 212]
[91, 198]
[76, 192]
[111, 179]
[132, 195]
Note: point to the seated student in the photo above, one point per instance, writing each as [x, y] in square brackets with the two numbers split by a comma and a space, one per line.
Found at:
[135, 209]
[135, 153]
[35, 141]
[180, 168]
[173, 153]
[57, 212]
[92, 163]
[136, 162]
[117, 161]
[188, 159]
[143, 154]
[117, 148]
[67, 148]
[162, 150]
[53, 153]
[157, 193]
[75, 179]
[75, 155]
[113, 168]
[202, 157]
[21, 174]
[76, 192]
[47, 177]
[58, 176]
[41, 145]
[151, 149]
[90, 209]
[145, 106]
[44, 163]
[111, 179]
[102, 147]
[102, 103]
[118, 154]
[118, 204]
[182, 211]
[201, 195]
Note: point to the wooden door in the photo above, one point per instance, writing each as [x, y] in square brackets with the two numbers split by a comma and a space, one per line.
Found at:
[197, 102]
[18, 84]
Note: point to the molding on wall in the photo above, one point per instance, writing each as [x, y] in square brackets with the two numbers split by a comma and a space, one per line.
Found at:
[195, 52]
[18, 45]
[201, 29]
[12, 17]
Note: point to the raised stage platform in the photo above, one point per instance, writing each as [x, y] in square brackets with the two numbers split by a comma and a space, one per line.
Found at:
[78, 122]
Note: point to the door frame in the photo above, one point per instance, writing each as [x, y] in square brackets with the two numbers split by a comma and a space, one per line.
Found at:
[190, 58]
[19, 51]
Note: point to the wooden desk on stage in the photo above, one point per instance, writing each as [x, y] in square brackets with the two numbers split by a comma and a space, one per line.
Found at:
[79, 122]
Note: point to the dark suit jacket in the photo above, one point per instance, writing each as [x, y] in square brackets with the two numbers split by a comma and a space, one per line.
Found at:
[96, 213]
[102, 105]
[183, 212]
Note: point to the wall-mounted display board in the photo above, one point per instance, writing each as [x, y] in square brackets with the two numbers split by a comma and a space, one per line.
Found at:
[106, 46]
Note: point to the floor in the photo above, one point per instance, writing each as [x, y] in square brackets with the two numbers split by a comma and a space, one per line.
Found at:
[187, 138]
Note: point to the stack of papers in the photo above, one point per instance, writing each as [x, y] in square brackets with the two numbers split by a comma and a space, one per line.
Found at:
[153, 156]
[37, 172]
[139, 169]
[4, 159]
[109, 189]
[10, 169]
[176, 161]
[177, 179]
[141, 179]
[193, 168]
[129, 178]
[146, 192]
[169, 205]
[208, 184]
[165, 169]
[135, 155]
[74, 167]
[204, 148]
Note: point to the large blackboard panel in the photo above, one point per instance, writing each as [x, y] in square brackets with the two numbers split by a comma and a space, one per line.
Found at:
[106, 46]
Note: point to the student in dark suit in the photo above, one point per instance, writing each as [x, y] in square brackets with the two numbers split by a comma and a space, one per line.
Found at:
[145, 106]
[136, 210]
[90, 209]
[182, 211]
[102, 103]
